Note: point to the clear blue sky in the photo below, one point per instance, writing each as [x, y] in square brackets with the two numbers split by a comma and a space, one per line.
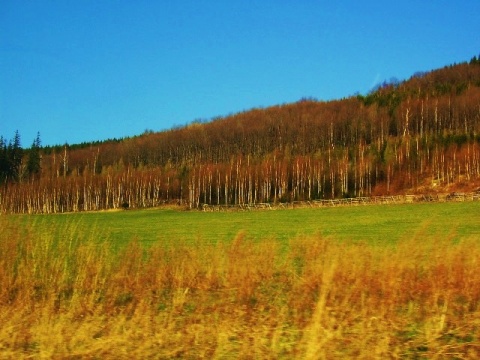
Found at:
[90, 70]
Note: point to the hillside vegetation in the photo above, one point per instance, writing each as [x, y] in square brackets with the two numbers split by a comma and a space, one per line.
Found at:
[420, 135]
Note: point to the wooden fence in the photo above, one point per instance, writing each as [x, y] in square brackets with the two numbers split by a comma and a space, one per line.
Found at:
[396, 199]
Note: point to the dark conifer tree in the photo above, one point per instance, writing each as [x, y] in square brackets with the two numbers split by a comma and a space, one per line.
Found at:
[14, 155]
[4, 164]
[33, 164]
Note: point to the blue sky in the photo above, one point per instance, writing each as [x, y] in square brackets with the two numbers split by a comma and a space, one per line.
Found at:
[90, 70]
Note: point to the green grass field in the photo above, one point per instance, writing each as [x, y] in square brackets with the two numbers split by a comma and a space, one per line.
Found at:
[370, 282]
[379, 224]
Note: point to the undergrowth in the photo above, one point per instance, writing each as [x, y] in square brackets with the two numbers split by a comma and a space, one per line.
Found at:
[317, 299]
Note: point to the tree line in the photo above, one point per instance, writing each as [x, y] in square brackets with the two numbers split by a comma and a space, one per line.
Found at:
[17, 164]
[422, 134]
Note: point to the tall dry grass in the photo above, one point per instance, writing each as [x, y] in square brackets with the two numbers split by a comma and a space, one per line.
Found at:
[316, 299]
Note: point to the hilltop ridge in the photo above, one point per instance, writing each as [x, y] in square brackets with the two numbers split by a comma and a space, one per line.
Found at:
[417, 135]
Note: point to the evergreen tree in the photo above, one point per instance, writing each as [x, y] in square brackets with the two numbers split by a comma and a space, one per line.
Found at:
[14, 158]
[475, 60]
[33, 164]
[4, 164]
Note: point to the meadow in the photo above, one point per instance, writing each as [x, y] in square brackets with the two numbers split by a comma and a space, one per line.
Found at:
[390, 281]
[374, 224]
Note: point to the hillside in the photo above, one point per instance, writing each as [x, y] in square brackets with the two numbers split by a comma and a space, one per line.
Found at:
[421, 135]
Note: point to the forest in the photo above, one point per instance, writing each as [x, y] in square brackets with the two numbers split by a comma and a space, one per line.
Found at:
[420, 135]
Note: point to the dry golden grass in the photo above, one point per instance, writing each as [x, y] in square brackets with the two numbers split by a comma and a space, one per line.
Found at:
[316, 299]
